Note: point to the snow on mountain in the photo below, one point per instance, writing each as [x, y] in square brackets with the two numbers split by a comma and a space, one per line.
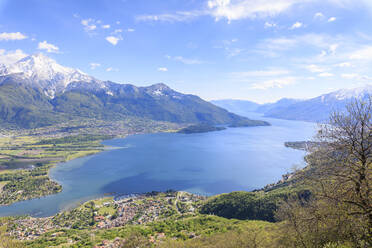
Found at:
[319, 108]
[345, 94]
[316, 109]
[162, 90]
[47, 74]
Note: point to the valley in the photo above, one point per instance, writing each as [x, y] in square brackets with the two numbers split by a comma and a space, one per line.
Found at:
[317, 109]
[200, 163]
[78, 158]
[65, 114]
[185, 124]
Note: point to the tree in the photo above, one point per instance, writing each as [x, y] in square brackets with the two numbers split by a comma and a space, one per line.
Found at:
[339, 174]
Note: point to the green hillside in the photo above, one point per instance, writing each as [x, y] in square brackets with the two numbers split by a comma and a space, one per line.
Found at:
[25, 106]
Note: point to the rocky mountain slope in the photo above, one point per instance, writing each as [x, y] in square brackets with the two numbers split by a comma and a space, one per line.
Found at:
[37, 91]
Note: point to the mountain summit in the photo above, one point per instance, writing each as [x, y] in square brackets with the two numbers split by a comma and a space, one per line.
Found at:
[344, 94]
[44, 72]
[37, 91]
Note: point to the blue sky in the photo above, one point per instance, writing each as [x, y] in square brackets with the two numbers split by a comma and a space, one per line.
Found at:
[259, 50]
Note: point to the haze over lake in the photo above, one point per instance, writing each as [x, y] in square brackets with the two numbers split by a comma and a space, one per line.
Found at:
[207, 163]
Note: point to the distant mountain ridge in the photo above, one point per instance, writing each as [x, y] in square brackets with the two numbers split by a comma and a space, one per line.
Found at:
[237, 106]
[36, 91]
[315, 109]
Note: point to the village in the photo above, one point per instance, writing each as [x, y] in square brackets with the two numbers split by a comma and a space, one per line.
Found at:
[107, 213]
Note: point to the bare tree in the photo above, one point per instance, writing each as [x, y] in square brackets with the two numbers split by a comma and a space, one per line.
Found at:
[340, 177]
[345, 161]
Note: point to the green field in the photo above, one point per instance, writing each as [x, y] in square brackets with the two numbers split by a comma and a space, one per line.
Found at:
[25, 162]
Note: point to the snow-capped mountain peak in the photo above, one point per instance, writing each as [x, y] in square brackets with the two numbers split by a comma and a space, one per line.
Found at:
[347, 94]
[46, 73]
[352, 93]
[162, 90]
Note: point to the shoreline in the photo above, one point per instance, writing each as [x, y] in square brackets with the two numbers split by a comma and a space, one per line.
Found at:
[55, 164]
[70, 158]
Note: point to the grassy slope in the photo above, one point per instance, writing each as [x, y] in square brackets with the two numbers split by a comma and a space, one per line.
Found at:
[181, 229]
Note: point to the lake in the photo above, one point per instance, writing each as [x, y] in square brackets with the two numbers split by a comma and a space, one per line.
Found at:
[207, 164]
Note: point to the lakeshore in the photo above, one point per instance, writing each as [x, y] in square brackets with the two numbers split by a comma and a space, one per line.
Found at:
[28, 155]
[205, 163]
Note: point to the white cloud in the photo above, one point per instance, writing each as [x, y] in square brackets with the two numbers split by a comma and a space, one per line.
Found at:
[247, 75]
[332, 19]
[297, 25]
[270, 25]
[315, 68]
[344, 64]
[325, 74]
[113, 40]
[264, 79]
[333, 48]
[179, 16]
[319, 15]
[12, 36]
[242, 9]
[10, 57]
[232, 10]
[50, 48]
[232, 52]
[163, 69]
[273, 47]
[110, 69]
[94, 65]
[278, 44]
[350, 75]
[131, 30]
[230, 47]
[89, 24]
[183, 60]
[274, 83]
[187, 61]
[117, 31]
[364, 53]
[356, 76]
[228, 9]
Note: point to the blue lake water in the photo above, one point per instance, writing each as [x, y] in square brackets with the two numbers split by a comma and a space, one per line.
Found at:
[208, 163]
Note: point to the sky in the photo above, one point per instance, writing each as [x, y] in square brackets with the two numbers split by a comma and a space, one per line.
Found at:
[259, 50]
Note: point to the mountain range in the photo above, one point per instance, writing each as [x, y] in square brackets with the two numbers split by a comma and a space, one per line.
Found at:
[36, 91]
[315, 109]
